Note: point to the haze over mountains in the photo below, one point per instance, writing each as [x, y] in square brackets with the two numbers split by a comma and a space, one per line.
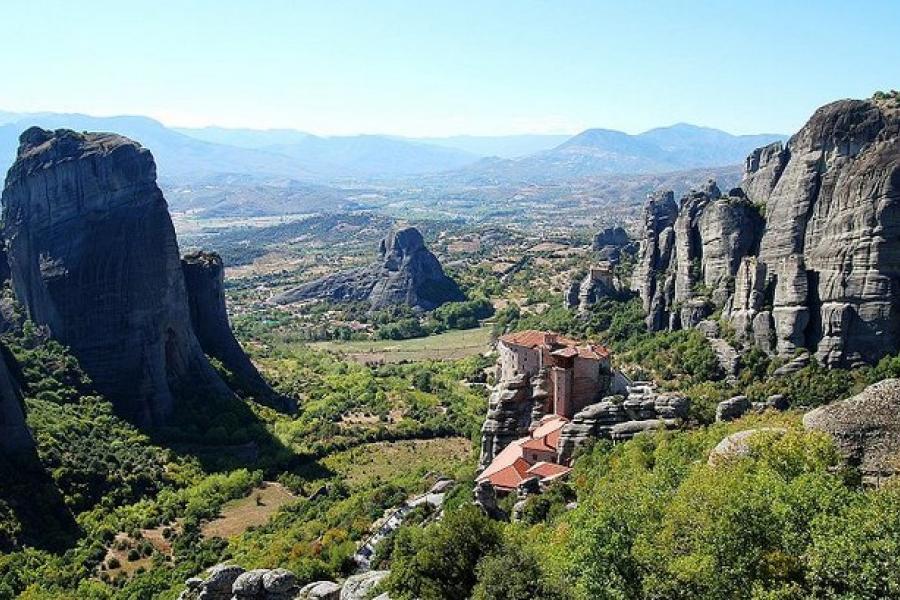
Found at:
[192, 155]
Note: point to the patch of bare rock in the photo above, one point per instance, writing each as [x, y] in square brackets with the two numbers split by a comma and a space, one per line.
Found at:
[231, 582]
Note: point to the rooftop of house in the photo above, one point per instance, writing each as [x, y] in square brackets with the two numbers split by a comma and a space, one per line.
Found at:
[555, 343]
[511, 466]
[548, 471]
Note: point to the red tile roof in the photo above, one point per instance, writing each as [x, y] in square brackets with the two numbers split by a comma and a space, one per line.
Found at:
[547, 470]
[533, 338]
[563, 346]
[509, 468]
[511, 476]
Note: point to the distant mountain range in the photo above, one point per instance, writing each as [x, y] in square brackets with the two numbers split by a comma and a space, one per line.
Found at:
[603, 152]
[191, 155]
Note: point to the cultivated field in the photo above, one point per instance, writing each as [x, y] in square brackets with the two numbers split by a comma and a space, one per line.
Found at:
[451, 345]
[382, 461]
[253, 510]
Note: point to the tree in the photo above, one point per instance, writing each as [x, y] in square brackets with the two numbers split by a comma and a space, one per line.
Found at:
[439, 562]
[512, 574]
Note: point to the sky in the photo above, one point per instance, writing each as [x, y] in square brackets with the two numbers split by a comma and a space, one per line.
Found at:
[433, 68]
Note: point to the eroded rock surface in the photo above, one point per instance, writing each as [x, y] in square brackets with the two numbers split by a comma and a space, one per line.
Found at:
[820, 271]
[406, 273]
[620, 418]
[204, 276]
[866, 428]
[510, 413]
[14, 434]
[93, 257]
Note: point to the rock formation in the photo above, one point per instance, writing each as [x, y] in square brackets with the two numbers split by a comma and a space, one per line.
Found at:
[94, 258]
[690, 254]
[611, 242]
[512, 408]
[619, 418]
[231, 582]
[866, 428]
[204, 276]
[14, 434]
[406, 273]
[600, 282]
[821, 272]
[739, 445]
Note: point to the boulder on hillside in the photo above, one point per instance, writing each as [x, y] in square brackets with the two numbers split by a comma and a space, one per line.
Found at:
[866, 428]
[738, 444]
[359, 587]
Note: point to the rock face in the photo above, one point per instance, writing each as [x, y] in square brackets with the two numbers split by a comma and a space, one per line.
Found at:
[407, 273]
[231, 582]
[204, 276]
[738, 445]
[620, 418]
[358, 587]
[511, 409]
[821, 272]
[93, 257]
[14, 434]
[611, 242]
[652, 279]
[690, 254]
[866, 428]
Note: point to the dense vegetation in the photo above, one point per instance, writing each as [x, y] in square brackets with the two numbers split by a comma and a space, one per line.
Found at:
[655, 520]
[96, 478]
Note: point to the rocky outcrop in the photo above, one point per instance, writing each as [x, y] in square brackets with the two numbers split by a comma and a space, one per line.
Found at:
[15, 438]
[509, 415]
[619, 418]
[204, 276]
[690, 254]
[93, 257]
[652, 279]
[406, 273]
[610, 243]
[865, 427]
[320, 590]
[733, 408]
[600, 282]
[484, 496]
[822, 271]
[739, 445]
[231, 582]
[359, 587]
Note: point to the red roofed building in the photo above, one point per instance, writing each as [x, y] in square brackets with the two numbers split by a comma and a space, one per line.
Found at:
[527, 457]
[576, 374]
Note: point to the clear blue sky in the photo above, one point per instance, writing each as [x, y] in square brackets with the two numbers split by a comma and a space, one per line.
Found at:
[434, 68]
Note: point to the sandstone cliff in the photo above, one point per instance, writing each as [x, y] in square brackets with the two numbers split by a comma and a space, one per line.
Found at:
[406, 273]
[820, 270]
[204, 276]
[93, 257]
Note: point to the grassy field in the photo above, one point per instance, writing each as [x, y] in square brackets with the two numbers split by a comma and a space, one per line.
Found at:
[383, 461]
[451, 345]
[255, 509]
